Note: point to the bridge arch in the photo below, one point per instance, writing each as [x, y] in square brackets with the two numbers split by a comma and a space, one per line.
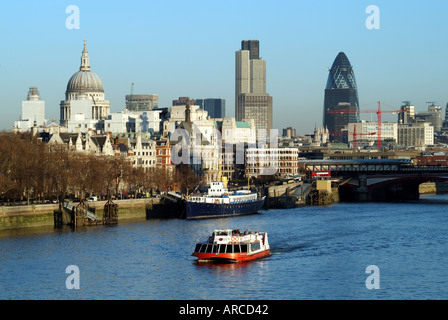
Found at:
[376, 179]
[385, 188]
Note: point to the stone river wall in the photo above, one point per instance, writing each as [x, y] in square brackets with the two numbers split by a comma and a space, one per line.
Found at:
[42, 215]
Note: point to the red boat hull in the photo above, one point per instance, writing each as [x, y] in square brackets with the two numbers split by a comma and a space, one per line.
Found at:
[231, 256]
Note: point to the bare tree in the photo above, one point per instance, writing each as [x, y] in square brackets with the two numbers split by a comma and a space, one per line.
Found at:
[186, 178]
[29, 168]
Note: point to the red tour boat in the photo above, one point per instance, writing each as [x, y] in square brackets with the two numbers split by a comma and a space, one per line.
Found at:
[232, 246]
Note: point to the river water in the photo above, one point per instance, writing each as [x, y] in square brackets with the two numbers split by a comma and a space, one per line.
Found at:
[317, 253]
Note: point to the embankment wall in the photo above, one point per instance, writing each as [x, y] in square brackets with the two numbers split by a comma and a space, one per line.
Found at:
[42, 214]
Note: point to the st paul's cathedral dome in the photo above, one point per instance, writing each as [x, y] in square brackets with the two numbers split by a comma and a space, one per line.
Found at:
[85, 84]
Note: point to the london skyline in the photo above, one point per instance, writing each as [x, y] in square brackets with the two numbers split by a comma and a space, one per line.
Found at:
[178, 49]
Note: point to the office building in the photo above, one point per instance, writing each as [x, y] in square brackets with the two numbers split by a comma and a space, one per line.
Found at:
[367, 132]
[341, 94]
[408, 113]
[257, 107]
[183, 101]
[33, 112]
[142, 102]
[253, 46]
[289, 133]
[251, 99]
[419, 135]
[216, 108]
[433, 116]
[272, 161]
[445, 122]
[237, 132]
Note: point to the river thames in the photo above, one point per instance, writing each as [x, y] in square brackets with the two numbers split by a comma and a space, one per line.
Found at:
[317, 253]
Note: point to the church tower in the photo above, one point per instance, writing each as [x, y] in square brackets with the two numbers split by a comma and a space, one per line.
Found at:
[85, 84]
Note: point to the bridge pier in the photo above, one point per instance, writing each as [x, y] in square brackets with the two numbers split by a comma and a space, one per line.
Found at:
[362, 194]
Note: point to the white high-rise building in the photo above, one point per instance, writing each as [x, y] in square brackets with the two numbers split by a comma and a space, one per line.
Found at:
[367, 131]
[33, 112]
[132, 121]
[419, 135]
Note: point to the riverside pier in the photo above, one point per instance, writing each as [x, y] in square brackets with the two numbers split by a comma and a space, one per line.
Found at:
[82, 215]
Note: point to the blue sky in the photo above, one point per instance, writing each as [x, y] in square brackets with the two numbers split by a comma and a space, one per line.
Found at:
[187, 48]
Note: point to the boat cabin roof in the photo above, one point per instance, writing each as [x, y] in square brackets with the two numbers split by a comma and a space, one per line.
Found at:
[228, 232]
[221, 232]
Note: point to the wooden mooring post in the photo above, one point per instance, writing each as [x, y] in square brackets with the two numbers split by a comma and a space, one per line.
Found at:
[110, 215]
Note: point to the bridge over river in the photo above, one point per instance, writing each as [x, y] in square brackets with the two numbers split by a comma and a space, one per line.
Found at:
[377, 179]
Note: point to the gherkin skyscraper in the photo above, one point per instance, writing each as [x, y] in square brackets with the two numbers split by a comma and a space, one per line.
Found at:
[341, 94]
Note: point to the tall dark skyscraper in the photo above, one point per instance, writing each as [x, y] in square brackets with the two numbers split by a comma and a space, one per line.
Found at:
[341, 93]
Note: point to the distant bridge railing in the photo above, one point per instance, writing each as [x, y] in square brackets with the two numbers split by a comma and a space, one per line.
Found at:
[379, 166]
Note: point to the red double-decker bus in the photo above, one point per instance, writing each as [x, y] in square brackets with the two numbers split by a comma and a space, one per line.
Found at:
[315, 174]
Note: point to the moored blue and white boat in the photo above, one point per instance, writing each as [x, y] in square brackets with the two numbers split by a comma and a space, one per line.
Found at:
[219, 202]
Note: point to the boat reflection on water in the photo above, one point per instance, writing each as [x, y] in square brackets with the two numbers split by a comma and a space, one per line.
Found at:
[228, 264]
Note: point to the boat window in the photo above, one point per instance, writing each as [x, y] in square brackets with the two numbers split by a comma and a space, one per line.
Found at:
[236, 248]
[202, 249]
[222, 248]
[208, 249]
[214, 248]
[244, 248]
[229, 248]
[198, 247]
[255, 246]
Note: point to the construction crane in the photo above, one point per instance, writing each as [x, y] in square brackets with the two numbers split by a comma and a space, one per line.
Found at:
[378, 112]
[355, 135]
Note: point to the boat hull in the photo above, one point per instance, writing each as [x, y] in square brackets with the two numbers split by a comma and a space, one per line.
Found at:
[230, 257]
[166, 209]
[197, 210]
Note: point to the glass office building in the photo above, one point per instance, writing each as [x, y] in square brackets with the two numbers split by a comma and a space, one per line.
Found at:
[216, 108]
[341, 94]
